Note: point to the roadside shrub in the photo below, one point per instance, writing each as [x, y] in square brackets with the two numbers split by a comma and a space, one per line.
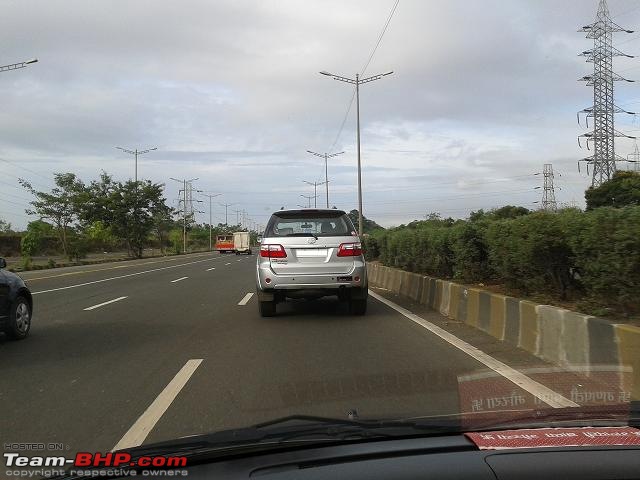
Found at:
[606, 242]
[26, 262]
[370, 246]
[470, 252]
[531, 253]
[176, 240]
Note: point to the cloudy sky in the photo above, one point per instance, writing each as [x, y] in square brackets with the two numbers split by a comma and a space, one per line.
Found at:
[483, 94]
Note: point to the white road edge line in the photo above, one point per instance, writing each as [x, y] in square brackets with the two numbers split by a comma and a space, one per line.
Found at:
[209, 269]
[548, 396]
[178, 279]
[246, 299]
[143, 426]
[119, 277]
[104, 303]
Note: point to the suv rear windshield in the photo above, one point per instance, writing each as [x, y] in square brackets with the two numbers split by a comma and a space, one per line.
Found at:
[304, 224]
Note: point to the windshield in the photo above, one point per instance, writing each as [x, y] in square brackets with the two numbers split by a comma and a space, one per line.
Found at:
[226, 213]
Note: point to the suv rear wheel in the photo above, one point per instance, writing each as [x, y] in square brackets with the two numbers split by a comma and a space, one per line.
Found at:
[358, 306]
[268, 308]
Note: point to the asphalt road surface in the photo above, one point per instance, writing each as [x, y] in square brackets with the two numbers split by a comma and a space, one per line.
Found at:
[150, 350]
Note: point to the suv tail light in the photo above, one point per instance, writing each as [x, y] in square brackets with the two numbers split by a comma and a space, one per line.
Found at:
[350, 250]
[272, 251]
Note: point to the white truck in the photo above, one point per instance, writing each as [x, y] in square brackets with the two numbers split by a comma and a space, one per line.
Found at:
[242, 243]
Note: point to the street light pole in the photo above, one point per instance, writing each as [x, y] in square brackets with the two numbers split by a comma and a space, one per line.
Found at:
[226, 215]
[326, 171]
[210, 195]
[357, 82]
[135, 153]
[315, 192]
[360, 214]
[308, 197]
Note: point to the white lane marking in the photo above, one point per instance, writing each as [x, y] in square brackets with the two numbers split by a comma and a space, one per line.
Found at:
[209, 269]
[119, 277]
[239, 260]
[538, 390]
[105, 303]
[246, 299]
[178, 279]
[227, 264]
[143, 426]
[126, 264]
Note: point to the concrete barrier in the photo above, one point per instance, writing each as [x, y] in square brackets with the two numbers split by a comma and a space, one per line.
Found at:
[628, 340]
[528, 339]
[557, 335]
[575, 339]
[550, 323]
[473, 306]
[512, 321]
[463, 294]
[444, 299]
[454, 295]
[414, 285]
[498, 314]
[484, 311]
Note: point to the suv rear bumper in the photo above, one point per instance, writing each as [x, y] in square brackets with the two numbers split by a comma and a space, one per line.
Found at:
[328, 283]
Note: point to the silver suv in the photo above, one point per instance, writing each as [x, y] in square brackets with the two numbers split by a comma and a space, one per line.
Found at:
[311, 253]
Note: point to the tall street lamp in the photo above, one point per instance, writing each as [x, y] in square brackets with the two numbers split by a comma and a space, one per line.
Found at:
[326, 172]
[357, 82]
[308, 197]
[16, 66]
[226, 212]
[210, 196]
[315, 192]
[137, 152]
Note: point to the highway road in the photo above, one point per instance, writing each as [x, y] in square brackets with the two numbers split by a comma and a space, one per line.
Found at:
[142, 351]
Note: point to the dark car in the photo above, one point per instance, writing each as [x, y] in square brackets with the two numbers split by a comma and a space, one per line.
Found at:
[16, 304]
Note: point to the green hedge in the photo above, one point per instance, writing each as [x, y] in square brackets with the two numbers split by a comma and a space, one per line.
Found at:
[590, 256]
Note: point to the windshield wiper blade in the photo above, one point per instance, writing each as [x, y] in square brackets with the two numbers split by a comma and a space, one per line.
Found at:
[295, 430]
[302, 234]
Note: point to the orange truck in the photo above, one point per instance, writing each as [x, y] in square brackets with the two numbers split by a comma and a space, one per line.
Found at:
[224, 243]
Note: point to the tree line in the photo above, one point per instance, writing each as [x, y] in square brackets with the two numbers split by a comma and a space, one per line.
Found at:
[106, 214]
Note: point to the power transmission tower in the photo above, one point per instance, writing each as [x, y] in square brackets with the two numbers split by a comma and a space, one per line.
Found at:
[185, 202]
[549, 195]
[634, 158]
[604, 157]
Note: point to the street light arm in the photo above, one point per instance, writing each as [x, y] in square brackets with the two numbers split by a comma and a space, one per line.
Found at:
[375, 77]
[127, 150]
[140, 152]
[315, 153]
[16, 66]
[345, 79]
[334, 154]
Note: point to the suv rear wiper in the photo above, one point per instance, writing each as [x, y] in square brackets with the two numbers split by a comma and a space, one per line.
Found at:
[304, 234]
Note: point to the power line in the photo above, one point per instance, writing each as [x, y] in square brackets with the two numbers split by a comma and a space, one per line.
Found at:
[373, 52]
[26, 169]
[384, 29]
